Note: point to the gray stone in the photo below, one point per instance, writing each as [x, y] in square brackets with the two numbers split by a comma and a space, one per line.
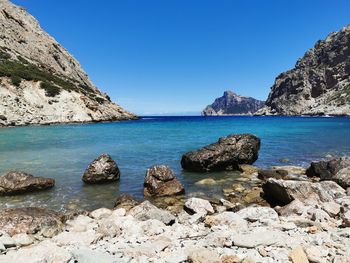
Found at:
[259, 238]
[146, 211]
[198, 205]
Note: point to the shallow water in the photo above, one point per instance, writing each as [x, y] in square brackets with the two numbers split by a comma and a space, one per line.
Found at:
[64, 151]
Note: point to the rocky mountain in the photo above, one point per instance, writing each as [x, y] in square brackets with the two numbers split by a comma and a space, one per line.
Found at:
[231, 104]
[40, 82]
[319, 84]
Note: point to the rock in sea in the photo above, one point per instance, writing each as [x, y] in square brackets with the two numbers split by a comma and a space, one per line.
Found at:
[19, 182]
[161, 181]
[102, 170]
[226, 154]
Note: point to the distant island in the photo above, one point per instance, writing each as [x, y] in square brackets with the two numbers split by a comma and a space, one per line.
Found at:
[233, 104]
[40, 82]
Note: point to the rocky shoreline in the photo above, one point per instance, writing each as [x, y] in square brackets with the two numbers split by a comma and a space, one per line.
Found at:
[282, 214]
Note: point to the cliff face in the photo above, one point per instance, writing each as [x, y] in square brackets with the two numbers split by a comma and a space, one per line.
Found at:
[319, 84]
[231, 104]
[40, 82]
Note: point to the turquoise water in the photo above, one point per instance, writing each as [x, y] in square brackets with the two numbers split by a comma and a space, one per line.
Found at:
[64, 151]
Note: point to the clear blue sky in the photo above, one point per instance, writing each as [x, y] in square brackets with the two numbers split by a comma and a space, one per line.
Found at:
[176, 56]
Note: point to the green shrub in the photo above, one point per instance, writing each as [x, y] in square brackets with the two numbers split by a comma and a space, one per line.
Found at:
[50, 90]
[16, 80]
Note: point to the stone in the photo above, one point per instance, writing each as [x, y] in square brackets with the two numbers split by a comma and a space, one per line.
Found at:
[259, 238]
[272, 173]
[231, 104]
[230, 219]
[7, 241]
[19, 182]
[346, 219]
[297, 170]
[342, 177]
[207, 181]
[31, 220]
[23, 239]
[126, 201]
[325, 170]
[283, 192]
[101, 213]
[203, 256]
[297, 255]
[146, 211]
[198, 205]
[226, 154]
[332, 208]
[102, 170]
[230, 259]
[314, 255]
[55, 89]
[261, 214]
[161, 181]
[87, 255]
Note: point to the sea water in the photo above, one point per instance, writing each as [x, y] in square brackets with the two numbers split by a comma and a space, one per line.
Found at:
[63, 152]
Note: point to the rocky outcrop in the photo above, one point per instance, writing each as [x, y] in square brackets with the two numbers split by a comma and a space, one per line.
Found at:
[319, 84]
[40, 82]
[19, 182]
[102, 170]
[337, 170]
[161, 181]
[233, 104]
[31, 220]
[226, 154]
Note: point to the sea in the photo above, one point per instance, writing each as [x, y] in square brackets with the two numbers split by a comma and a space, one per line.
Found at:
[63, 152]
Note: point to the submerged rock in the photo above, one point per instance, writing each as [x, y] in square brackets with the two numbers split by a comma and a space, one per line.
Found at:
[226, 154]
[126, 201]
[19, 182]
[272, 173]
[102, 170]
[161, 181]
[31, 220]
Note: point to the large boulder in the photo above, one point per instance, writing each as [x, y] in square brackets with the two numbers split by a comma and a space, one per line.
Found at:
[161, 181]
[102, 170]
[19, 182]
[325, 170]
[226, 154]
[282, 192]
[31, 220]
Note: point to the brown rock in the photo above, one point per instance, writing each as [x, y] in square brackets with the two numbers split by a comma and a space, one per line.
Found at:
[19, 182]
[161, 181]
[272, 173]
[102, 170]
[31, 220]
[126, 201]
[297, 255]
[230, 259]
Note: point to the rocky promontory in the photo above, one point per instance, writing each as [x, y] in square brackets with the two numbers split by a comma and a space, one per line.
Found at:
[233, 104]
[319, 84]
[40, 82]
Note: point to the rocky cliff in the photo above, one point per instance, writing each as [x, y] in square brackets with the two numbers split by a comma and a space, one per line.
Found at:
[231, 104]
[40, 82]
[319, 84]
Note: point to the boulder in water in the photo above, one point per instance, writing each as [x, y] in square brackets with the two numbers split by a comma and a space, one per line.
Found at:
[161, 181]
[226, 154]
[102, 170]
[19, 182]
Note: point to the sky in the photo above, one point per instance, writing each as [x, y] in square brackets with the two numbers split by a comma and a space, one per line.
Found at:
[177, 56]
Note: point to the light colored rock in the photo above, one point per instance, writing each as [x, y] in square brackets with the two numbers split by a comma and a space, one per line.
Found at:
[203, 256]
[230, 219]
[146, 210]
[23, 239]
[314, 254]
[297, 255]
[198, 205]
[45, 251]
[261, 214]
[259, 238]
[291, 169]
[230, 259]
[86, 255]
[331, 208]
[75, 238]
[206, 181]
[101, 213]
